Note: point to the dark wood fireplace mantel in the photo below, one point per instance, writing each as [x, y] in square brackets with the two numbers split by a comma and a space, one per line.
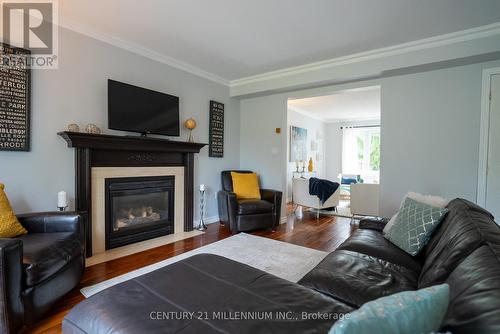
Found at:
[126, 151]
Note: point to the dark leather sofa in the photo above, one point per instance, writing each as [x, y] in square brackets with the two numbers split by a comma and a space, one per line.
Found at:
[247, 214]
[464, 252]
[38, 268]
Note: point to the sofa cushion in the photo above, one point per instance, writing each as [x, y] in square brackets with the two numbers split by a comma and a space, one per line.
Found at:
[465, 228]
[357, 278]
[399, 313]
[44, 254]
[414, 225]
[373, 243]
[475, 293]
[251, 206]
[213, 288]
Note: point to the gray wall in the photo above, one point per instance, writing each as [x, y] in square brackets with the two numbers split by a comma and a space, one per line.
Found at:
[76, 92]
[261, 148]
[333, 151]
[429, 132]
[314, 127]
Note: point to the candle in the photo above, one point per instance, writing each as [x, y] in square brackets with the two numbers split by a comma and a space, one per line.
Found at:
[62, 201]
[202, 187]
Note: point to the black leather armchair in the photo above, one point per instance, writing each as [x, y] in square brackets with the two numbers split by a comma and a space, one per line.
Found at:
[38, 268]
[246, 215]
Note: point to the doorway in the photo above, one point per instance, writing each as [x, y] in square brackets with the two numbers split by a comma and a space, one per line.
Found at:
[489, 173]
[335, 137]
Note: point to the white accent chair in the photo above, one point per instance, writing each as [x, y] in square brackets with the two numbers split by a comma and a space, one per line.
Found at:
[364, 199]
[301, 196]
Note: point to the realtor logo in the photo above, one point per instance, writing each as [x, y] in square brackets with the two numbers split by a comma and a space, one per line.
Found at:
[32, 25]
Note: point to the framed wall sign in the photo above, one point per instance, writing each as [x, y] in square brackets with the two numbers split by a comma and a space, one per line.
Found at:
[15, 89]
[216, 130]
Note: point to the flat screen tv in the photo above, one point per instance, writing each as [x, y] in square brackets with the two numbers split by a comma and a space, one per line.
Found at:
[136, 109]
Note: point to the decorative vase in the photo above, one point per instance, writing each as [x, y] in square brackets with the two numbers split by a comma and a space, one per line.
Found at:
[92, 129]
[310, 167]
[190, 124]
[73, 127]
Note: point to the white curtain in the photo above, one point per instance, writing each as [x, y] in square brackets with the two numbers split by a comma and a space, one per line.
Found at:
[357, 151]
[349, 151]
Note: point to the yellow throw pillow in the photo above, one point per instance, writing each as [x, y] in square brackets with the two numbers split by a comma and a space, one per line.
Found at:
[246, 185]
[9, 225]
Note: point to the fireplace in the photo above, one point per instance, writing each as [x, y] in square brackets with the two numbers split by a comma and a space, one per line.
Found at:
[138, 208]
[98, 157]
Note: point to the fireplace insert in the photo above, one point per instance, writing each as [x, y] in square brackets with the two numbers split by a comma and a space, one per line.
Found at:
[138, 208]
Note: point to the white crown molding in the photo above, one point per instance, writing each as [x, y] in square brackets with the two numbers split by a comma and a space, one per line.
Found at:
[422, 44]
[353, 120]
[306, 113]
[334, 120]
[140, 50]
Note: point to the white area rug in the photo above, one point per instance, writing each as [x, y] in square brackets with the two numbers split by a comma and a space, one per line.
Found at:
[282, 259]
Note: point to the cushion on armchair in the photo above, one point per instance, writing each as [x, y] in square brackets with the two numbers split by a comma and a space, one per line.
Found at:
[9, 225]
[246, 185]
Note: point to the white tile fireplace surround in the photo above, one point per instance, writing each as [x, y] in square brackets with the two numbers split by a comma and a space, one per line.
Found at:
[98, 177]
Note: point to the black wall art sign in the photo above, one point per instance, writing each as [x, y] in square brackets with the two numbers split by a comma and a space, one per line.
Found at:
[15, 87]
[216, 130]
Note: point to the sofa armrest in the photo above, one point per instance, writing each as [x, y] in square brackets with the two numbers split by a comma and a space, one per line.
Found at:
[374, 223]
[47, 222]
[11, 273]
[228, 206]
[275, 197]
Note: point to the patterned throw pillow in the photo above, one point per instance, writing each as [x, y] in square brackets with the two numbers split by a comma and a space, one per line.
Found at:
[406, 312]
[437, 201]
[9, 225]
[414, 225]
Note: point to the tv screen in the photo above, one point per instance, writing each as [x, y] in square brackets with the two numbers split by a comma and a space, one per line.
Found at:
[136, 109]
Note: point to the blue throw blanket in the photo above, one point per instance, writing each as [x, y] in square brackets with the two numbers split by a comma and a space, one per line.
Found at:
[322, 188]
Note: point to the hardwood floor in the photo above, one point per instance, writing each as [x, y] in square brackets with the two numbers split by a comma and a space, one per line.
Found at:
[304, 229]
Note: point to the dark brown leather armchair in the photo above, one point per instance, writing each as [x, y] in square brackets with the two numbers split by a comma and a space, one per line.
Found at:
[250, 214]
[38, 268]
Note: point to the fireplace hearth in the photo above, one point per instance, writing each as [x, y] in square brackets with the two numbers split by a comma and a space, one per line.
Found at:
[138, 208]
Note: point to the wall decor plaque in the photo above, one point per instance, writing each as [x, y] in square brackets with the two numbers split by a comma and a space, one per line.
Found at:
[15, 89]
[216, 130]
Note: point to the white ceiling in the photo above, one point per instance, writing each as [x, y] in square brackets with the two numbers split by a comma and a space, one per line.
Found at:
[232, 39]
[343, 106]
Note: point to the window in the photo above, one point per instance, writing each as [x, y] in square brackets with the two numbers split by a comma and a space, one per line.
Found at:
[361, 152]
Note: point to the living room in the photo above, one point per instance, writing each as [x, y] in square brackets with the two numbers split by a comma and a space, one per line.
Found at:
[335, 137]
[144, 168]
